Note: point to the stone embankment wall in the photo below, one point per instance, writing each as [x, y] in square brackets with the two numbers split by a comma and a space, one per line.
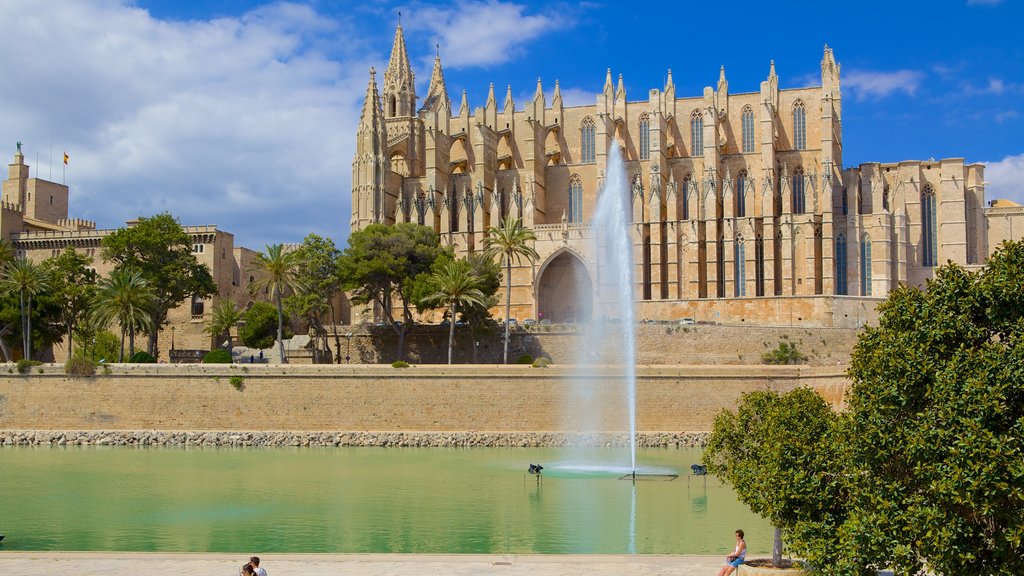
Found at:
[422, 400]
[656, 344]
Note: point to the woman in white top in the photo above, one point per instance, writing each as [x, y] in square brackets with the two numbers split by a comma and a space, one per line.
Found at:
[733, 561]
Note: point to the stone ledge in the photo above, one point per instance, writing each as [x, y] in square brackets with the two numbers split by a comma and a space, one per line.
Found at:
[347, 439]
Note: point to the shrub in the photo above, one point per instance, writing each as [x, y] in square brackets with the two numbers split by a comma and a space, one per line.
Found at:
[25, 365]
[217, 356]
[80, 366]
[399, 364]
[141, 357]
[524, 359]
[238, 382]
[786, 353]
[541, 362]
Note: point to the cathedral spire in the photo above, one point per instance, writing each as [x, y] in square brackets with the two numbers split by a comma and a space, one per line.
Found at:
[399, 80]
[464, 105]
[539, 93]
[620, 90]
[608, 88]
[437, 92]
[669, 84]
[556, 99]
[491, 102]
[771, 72]
[723, 84]
[509, 103]
[372, 112]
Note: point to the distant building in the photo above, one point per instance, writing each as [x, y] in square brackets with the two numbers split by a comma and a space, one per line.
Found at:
[742, 208]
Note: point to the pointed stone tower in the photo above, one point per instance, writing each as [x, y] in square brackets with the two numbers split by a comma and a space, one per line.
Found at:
[399, 81]
[437, 92]
[370, 165]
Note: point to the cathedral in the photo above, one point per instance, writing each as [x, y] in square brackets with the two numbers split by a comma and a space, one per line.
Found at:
[742, 209]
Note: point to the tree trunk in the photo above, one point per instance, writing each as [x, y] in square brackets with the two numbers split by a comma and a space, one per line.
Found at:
[777, 548]
[508, 300]
[451, 335]
[4, 350]
[121, 359]
[71, 351]
[337, 337]
[28, 331]
[131, 341]
[280, 327]
[24, 330]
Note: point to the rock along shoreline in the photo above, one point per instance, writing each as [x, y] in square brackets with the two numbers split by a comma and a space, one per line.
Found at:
[270, 439]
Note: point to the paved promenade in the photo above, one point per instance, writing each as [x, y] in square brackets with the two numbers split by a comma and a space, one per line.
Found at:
[133, 564]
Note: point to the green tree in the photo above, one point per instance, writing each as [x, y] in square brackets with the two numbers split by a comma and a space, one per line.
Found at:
[125, 297]
[73, 287]
[276, 269]
[454, 286]
[936, 458]
[99, 345]
[381, 264]
[26, 279]
[317, 283]
[259, 326]
[161, 251]
[226, 315]
[512, 242]
[777, 451]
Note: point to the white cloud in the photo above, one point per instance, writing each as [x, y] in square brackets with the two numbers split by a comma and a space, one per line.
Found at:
[242, 122]
[867, 84]
[479, 33]
[1006, 179]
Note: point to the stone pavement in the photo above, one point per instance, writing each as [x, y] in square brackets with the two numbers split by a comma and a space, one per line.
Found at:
[133, 564]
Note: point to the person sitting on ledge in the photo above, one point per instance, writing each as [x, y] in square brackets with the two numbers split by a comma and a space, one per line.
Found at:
[734, 560]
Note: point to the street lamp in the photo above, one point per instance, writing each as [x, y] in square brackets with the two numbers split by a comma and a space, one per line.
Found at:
[348, 355]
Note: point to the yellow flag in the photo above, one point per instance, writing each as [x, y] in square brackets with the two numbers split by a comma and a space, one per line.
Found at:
[66, 158]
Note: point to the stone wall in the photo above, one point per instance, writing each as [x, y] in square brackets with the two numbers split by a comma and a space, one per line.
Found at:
[667, 343]
[379, 398]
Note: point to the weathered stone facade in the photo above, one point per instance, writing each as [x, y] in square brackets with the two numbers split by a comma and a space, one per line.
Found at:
[738, 199]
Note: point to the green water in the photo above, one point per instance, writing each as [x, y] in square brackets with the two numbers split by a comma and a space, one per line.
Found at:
[365, 500]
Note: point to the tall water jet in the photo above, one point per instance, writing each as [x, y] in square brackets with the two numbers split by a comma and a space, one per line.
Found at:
[609, 339]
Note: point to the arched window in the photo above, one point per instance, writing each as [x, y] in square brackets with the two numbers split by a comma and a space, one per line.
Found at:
[740, 267]
[748, 129]
[696, 133]
[841, 263]
[575, 214]
[759, 265]
[686, 197]
[799, 199]
[865, 266]
[860, 199]
[799, 126]
[929, 226]
[741, 194]
[587, 147]
[846, 203]
[645, 137]
[392, 107]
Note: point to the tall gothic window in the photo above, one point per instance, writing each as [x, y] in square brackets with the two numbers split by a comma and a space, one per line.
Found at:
[741, 194]
[759, 265]
[799, 126]
[846, 203]
[929, 226]
[587, 147]
[697, 133]
[799, 198]
[748, 129]
[740, 267]
[841, 263]
[865, 266]
[645, 137]
[575, 199]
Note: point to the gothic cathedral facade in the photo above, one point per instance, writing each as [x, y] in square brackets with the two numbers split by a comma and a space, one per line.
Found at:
[742, 208]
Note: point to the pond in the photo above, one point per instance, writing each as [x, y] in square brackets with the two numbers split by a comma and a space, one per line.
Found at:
[365, 500]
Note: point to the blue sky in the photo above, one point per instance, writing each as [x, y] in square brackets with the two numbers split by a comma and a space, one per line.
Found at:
[242, 113]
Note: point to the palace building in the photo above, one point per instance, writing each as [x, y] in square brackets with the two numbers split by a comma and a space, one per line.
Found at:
[742, 208]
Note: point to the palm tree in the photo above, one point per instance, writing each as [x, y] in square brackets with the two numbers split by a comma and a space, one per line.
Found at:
[454, 284]
[225, 315]
[27, 279]
[276, 267]
[125, 297]
[512, 241]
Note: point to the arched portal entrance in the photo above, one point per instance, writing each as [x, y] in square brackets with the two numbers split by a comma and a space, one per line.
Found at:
[565, 292]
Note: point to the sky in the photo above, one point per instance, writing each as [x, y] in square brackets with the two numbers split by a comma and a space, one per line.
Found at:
[242, 113]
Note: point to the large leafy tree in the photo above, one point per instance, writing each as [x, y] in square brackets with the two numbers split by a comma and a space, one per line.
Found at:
[160, 250]
[381, 264]
[276, 271]
[73, 284]
[778, 452]
[25, 279]
[317, 282]
[512, 242]
[454, 286]
[125, 297]
[259, 326]
[936, 459]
